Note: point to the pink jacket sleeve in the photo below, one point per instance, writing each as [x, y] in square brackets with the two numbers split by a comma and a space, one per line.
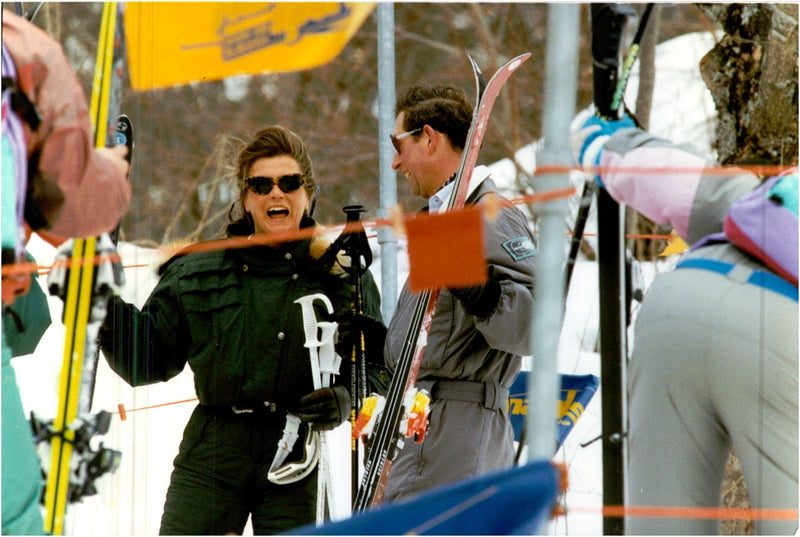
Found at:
[670, 184]
[79, 192]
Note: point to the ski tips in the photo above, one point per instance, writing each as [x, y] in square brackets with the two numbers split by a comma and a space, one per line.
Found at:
[506, 70]
[480, 80]
[514, 63]
[474, 63]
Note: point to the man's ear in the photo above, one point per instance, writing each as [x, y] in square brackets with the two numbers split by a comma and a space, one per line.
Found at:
[435, 138]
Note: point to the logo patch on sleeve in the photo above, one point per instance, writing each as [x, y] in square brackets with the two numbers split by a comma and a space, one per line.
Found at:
[520, 248]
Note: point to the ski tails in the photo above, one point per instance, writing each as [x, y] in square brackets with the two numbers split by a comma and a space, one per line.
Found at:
[76, 308]
[387, 438]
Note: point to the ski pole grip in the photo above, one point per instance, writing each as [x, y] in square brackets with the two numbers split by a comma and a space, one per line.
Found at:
[356, 244]
[353, 212]
[608, 23]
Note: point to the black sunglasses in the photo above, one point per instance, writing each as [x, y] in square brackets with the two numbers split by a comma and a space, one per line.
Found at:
[287, 183]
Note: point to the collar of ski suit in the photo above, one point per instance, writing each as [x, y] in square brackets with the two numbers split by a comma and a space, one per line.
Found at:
[438, 201]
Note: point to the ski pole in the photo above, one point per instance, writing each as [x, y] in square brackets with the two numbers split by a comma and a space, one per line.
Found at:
[356, 246]
[608, 22]
[315, 343]
[585, 203]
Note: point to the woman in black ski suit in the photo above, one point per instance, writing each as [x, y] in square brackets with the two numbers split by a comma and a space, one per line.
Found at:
[231, 314]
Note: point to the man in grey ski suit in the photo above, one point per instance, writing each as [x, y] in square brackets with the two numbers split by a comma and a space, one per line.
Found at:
[478, 334]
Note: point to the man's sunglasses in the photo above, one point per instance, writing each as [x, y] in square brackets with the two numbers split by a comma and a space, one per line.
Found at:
[396, 139]
[287, 183]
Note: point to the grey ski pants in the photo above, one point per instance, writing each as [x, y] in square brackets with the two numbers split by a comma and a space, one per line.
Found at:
[714, 363]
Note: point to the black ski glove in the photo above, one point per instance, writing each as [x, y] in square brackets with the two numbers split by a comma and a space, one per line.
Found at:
[326, 408]
[350, 326]
[479, 301]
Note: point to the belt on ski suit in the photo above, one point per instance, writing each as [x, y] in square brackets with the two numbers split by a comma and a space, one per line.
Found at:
[489, 394]
[264, 408]
[761, 278]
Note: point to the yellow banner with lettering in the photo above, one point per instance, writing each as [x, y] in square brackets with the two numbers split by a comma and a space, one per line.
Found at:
[171, 43]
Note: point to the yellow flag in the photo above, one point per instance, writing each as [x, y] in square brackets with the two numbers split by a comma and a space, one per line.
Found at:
[172, 43]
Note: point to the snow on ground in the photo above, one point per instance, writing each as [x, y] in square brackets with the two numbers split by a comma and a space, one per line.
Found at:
[130, 501]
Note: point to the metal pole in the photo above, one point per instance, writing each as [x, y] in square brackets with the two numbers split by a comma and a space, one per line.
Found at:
[388, 183]
[561, 73]
[608, 25]
[611, 274]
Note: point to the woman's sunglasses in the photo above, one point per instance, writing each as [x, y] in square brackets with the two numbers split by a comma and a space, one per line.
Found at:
[287, 183]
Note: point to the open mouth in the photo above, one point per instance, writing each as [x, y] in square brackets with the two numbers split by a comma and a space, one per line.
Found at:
[277, 212]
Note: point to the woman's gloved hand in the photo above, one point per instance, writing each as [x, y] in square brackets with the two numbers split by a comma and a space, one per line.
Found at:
[326, 408]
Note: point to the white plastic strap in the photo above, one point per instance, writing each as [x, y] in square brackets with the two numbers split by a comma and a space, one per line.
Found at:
[295, 471]
[287, 441]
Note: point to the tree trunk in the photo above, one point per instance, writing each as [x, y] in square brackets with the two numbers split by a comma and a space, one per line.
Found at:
[752, 75]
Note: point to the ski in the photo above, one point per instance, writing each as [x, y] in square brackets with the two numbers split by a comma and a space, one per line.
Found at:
[387, 437]
[357, 247]
[83, 280]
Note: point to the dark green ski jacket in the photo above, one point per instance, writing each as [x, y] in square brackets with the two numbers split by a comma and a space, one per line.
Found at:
[231, 315]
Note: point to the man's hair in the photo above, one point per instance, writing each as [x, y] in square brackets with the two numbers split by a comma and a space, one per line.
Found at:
[444, 108]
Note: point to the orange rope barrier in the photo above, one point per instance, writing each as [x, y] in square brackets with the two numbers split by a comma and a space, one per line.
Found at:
[123, 412]
[278, 238]
[719, 513]
[44, 270]
[22, 268]
[761, 170]
[240, 242]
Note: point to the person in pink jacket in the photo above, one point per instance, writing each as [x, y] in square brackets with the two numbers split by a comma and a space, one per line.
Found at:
[78, 190]
[715, 345]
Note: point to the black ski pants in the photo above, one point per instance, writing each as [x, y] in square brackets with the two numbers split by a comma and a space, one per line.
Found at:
[220, 478]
